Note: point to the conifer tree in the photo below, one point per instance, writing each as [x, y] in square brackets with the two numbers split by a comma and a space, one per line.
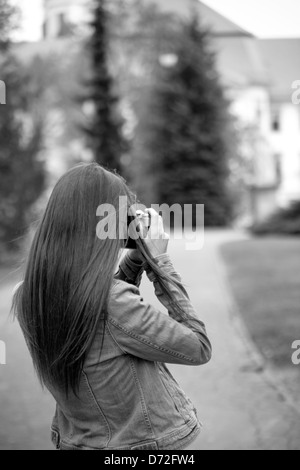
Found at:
[21, 172]
[105, 129]
[184, 128]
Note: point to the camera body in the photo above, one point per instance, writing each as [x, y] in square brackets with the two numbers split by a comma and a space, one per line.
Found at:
[142, 224]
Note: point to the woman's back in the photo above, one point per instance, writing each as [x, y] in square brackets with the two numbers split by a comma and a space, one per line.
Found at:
[132, 402]
[95, 343]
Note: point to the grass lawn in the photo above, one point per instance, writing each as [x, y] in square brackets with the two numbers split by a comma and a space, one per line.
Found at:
[264, 275]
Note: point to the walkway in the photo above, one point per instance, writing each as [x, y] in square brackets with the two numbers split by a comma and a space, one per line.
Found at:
[239, 408]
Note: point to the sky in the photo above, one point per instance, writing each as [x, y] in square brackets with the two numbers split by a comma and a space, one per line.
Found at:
[31, 21]
[264, 18]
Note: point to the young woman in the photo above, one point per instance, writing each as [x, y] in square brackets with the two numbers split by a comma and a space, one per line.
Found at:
[96, 344]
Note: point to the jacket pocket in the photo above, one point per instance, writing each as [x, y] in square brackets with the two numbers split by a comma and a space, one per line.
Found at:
[182, 404]
[55, 438]
[146, 446]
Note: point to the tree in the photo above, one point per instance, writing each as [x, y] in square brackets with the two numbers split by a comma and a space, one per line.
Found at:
[140, 32]
[105, 129]
[8, 22]
[21, 133]
[183, 127]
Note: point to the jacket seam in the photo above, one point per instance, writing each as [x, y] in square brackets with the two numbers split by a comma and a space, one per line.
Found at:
[188, 440]
[143, 401]
[114, 339]
[65, 443]
[57, 442]
[171, 437]
[98, 407]
[148, 343]
[118, 282]
[180, 407]
[131, 277]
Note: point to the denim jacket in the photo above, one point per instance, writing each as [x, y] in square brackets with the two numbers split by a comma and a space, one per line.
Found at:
[128, 399]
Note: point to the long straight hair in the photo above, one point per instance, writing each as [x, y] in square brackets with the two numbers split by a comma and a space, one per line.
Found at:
[68, 275]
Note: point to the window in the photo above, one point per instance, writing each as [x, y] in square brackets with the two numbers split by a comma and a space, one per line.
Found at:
[276, 124]
[45, 29]
[278, 163]
[64, 27]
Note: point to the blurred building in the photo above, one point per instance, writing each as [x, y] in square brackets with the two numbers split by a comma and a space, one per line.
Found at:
[258, 76]
[60, 15]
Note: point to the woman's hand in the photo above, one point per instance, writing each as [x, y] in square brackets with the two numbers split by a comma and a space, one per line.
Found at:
[156, 240]
[136, 256]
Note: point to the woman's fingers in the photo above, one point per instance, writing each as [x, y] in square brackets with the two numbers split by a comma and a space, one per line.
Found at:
[156, 230]
[157, 240]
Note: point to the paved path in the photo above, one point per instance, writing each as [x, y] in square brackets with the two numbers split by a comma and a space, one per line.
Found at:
[238, 407]
[25, 411]
[240, 410]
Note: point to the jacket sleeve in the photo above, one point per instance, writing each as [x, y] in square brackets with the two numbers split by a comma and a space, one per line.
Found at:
[143, 331]
[130, 270]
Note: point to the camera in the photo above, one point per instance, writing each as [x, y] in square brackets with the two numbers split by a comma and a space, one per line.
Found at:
[141, 222]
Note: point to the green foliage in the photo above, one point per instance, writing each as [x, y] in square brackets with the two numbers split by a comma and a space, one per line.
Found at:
[8, 19]
[105, 130]
[283, 222]
[182, 128]
[21, 133]
[264, 278]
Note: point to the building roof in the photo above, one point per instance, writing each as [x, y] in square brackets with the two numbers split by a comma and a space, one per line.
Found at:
[242, 59]
[210, 17]
[282, 59]
[221, 25]
[239, 62]
[245, 60]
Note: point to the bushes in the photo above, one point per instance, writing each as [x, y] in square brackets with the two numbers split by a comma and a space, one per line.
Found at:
[283, 222]
[22, 175]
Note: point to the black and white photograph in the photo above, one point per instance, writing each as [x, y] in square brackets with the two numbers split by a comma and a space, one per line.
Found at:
[149, 227]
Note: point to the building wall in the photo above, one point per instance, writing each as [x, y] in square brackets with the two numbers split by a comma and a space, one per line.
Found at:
[286, 142]
[252, 107]
[73, 11]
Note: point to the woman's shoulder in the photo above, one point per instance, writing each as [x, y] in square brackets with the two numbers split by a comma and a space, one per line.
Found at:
[120, 288]
[123, 296]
